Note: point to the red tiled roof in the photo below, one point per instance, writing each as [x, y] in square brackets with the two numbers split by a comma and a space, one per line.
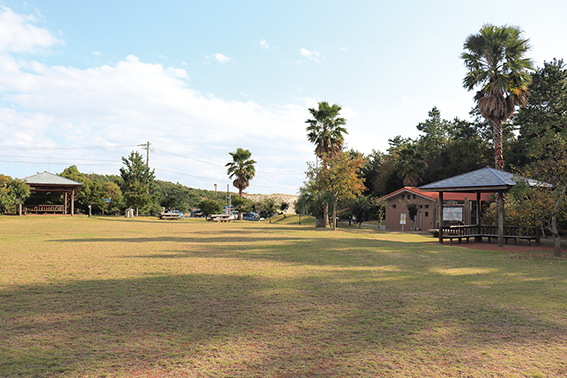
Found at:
[447, 196]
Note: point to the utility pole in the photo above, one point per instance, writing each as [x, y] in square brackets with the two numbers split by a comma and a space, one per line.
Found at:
[146, 146]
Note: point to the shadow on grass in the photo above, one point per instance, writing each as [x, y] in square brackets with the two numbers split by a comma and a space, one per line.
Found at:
[239, 325]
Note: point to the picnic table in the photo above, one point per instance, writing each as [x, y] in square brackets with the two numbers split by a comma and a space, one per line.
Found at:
[169, 216]
[219, 218]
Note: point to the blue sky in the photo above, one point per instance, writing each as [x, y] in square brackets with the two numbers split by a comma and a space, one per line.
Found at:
[85, 83]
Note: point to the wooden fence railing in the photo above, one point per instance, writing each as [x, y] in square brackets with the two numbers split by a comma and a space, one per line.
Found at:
[45, 209]
[490, 232]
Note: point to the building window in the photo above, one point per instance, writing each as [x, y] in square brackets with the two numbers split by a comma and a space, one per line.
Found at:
[427, 206]
[394, 206]
[414, 197]
[427, 213]
[421, 206]
[403, 196]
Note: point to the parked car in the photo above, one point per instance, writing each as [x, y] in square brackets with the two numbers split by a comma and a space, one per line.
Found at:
[178, 212]
[250, 217]
[197, 213]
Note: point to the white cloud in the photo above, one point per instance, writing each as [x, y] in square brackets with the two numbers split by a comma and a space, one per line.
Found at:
[264, 44]
[19, 34]
[132, 102]
[221, 58]
[97, 54]
[311, 55]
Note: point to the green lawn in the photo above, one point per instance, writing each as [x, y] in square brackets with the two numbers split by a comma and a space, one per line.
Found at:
[108, 297]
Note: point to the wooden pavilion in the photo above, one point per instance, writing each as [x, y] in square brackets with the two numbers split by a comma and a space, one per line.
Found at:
[484, 180]
[50, 183]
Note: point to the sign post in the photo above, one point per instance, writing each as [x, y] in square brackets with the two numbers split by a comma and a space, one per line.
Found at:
[402, 220]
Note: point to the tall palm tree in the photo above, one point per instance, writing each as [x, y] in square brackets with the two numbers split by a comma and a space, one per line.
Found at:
[495, 62]
[326, 129]
[241, 167]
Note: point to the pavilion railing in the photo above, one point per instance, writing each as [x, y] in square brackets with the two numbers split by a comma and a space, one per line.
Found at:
[478, 232]
[45, 209]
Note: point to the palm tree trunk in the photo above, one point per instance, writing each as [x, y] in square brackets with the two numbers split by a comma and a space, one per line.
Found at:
[497, 134]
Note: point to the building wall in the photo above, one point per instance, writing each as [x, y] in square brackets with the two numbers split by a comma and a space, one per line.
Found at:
[397, 206]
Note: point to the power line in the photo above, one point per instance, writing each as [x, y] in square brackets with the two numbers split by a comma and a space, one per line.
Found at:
[62, 163]
[223, 166]
[65, 148]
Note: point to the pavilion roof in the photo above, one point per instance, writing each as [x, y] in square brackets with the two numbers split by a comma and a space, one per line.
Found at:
[485, 179]
[50, 179]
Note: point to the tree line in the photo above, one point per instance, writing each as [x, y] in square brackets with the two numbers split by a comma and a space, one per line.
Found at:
[518, 124]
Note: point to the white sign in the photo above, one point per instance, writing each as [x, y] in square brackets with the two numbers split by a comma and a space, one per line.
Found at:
[402, 219]
[453, 214]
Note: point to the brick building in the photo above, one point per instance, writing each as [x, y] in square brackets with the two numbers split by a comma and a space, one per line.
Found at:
[458, 209]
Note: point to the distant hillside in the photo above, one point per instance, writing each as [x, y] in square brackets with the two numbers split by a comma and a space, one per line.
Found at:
[279, 198]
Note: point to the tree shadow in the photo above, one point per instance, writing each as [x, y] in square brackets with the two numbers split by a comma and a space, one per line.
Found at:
[252, 325]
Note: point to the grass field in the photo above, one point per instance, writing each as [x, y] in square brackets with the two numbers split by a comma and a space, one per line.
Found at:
[116, 297]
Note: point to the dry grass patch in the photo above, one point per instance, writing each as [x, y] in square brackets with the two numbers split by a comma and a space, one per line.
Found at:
[92, 297]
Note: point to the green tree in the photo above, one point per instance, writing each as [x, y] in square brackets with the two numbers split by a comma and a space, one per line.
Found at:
[283, 207]
[326, 129]
[338, 175]
[138, 180]
[547, 110]
[20, 190]
[544, 203]
[115, 198]
[7, 197]
[366, 208]
[411, 164]
[312, 200]
[412, 212]
[210, 206]
[495, 62]
[436, 131]
[242, 168]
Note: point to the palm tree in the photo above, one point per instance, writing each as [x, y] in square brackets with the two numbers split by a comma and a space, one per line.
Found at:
[410, 164]
[241, 167]
[325, 130]
[495, 62]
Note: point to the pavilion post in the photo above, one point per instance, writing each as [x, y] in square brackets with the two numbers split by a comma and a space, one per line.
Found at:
[73, 202]
[65, 204]
[440, 217]
[500, 207]
[478, 210]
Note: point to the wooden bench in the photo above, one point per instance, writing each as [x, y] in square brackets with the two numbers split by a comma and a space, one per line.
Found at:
[169, 216]
[219, 218]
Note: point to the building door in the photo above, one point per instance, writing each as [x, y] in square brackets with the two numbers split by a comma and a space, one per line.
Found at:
[420, 221]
